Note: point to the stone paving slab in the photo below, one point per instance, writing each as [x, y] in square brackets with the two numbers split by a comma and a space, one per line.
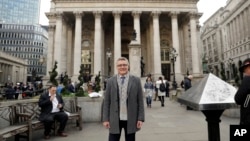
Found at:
[170, 123]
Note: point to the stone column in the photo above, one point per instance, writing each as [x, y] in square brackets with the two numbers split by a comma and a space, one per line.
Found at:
[77, 48]
[64, 47]
[234, 31]
[58, 42]
[135, 59]
[156, 45]
[136, 15]
[194, 45]
[245, 23]
[69, 50]
[1, 74]
[97, 42]
[117, 37]
[229, 39]
[175, 38]
[248, 21]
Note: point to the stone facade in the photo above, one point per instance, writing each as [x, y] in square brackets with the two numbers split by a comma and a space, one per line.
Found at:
[226, 37]
[82, 31]
[12, 69]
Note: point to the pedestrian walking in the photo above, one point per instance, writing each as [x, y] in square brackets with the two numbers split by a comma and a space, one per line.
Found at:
[160, 85]
[187, 85]
[149, 90]
[242, 96]
[123, 106]
[167, 88]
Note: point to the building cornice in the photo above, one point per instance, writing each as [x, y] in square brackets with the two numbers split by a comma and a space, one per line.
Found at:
[125, 1]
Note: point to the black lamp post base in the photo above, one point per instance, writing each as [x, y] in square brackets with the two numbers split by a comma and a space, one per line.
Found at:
[213, 120]
[174, 85]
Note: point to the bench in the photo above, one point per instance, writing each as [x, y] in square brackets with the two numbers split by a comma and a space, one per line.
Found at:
[24, 118]
[9, 115]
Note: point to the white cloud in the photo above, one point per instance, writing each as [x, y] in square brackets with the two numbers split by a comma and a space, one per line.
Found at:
[209, 7]
[45, 7]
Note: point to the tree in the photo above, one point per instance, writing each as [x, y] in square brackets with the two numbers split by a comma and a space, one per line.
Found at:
[235, 74]
[97, 82]
[79, 89]
[65, 82]
[222, 72]
[53, 74]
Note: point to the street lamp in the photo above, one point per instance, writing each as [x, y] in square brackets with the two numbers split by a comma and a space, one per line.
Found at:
[173, 55]
[41, 61]
[230, 60]
[109, 55]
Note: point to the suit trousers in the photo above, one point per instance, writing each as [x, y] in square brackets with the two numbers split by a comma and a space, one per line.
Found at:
[61, 117]
[116, 137]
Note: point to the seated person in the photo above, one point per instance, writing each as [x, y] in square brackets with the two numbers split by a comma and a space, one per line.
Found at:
[52, 109]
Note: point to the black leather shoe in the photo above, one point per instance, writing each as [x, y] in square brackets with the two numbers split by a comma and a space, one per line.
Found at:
[46, 137]
[62, 134]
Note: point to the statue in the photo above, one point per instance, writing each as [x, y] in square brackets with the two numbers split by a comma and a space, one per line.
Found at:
[142, 66]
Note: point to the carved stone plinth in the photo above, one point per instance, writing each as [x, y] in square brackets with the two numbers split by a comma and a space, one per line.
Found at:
[135, 58]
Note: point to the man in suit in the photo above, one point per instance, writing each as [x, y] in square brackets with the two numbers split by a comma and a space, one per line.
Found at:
[123, 105]
[52, 109]
[242, 96]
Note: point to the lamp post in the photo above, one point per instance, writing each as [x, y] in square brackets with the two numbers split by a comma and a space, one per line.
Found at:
[109, 55]
[230, 60]
[173, 55]
[41, 61]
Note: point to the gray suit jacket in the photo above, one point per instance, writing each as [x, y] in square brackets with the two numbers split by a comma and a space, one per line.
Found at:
[135, 105]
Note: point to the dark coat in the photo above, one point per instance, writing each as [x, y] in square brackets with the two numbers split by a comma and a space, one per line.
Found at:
[46, 105]
[187, 83]
[240, 99]
[135, 104]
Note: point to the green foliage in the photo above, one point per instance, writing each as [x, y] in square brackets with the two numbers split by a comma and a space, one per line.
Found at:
[97, 82]
[80, 92]
[65, 91]
[53, 74]
[222, 72]
[235, 74]
[80, 77]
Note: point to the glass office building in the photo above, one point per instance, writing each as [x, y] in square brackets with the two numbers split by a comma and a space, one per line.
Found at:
[28, 42]
[20, 11]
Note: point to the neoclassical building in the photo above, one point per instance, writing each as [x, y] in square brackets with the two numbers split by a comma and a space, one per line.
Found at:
[96, 32]
[12, 69]
[226, 38]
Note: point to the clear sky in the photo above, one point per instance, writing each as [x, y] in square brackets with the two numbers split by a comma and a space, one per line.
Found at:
[207, 7]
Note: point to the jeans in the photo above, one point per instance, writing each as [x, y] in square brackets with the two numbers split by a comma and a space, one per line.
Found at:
[149, 100]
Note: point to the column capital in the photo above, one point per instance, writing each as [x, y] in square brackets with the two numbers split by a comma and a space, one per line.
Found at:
[155, 13]
[194, 15]
[97, 14]
[136, 13]
[50, 15]
[52, 27]
[174, 14]
[78, 14]
[117, 13]
[59, 14]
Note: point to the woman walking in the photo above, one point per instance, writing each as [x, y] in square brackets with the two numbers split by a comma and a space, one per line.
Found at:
[149, 90]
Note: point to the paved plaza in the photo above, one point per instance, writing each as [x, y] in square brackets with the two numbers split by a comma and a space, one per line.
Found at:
[170, 123]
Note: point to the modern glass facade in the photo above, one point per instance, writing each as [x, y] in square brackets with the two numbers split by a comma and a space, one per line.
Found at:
[27, 42]
[20, 11]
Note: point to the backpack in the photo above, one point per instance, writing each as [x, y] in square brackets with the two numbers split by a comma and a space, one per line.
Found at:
[162, 87]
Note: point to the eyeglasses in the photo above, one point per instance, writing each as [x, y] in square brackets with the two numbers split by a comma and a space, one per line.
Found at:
[122, 65]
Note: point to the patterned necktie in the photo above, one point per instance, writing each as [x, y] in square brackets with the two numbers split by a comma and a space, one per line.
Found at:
[122, 79]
